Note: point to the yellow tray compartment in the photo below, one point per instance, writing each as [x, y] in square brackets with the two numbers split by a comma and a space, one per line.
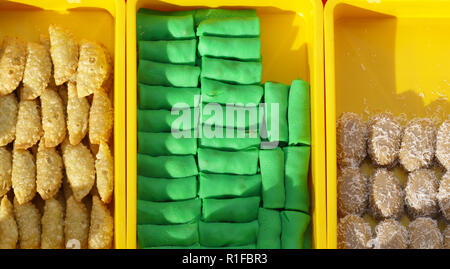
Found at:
[291, 47]
[100, 20]
[389, 55]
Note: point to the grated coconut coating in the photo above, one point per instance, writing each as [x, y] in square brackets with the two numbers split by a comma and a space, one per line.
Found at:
[352, 192]
[353, 232]
[425, 234]
[386, 195]
[443, 144]
[385, 135]
[444, 195]
[421, 193]
[351, 140]
[418, 144]
[390, 234]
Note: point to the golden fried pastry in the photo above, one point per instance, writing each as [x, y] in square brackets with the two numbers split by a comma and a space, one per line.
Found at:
[52, 225]
[8, 118]
[38, 70]
[29, 126]
[101, 117]
[77, 115]
[5, 170]
[49, 171]
[53, 118]
[29, 223]
[64, 53]
[12, 64]
[102, 225]
[23, 176]
[104, 167]
[9, 233]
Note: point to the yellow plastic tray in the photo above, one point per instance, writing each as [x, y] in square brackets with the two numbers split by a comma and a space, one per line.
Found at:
[101, 20]
[383, 55]
[292, 47]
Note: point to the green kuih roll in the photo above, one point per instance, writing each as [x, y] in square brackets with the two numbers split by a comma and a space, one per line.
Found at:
[166, 189]
[293, 227]
[299, 113]
[307, 244]
[161, 27]
[269, 235]
[156, 121]
[241, 48]
[169, 51]
[177, 212]
[296, 178]
[225, 234]
[217, 13]
[214, 91]
[277, 126]
[163, 74]
[228, 186]
[160, 97]
[271, 162]
[230, 116]
[243, 209]
[160, 144]
[232, 143]
[166, 166]
[225, 162]
[167, 235]
[231, 71]
[243, 27]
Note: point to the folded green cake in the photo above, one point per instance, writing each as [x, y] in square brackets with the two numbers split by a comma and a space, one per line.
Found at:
[269, 235]
[166, 166]
[243, 209]
[231, 116]
[246, 139]
[271, 162]
[223, 234]
[169, 51]
[217, 13]
[162, 27]
[276, 94]
[299, 113]
[296, 178]
[177, 212]
[293, 227]
[166, 189]
[214, 91]
[158, 144]
[183, 235]
[228, 186]
[157, 121]
[241, 48]
[237, 26]
[232, 71]
[161, 97]
[225, 162]
[164, 74]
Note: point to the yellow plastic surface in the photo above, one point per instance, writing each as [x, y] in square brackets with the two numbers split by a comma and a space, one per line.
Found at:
[291, 46]
[383, 55]
[100, 20]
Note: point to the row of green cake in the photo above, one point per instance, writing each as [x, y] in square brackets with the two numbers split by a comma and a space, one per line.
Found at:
[238, 196]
